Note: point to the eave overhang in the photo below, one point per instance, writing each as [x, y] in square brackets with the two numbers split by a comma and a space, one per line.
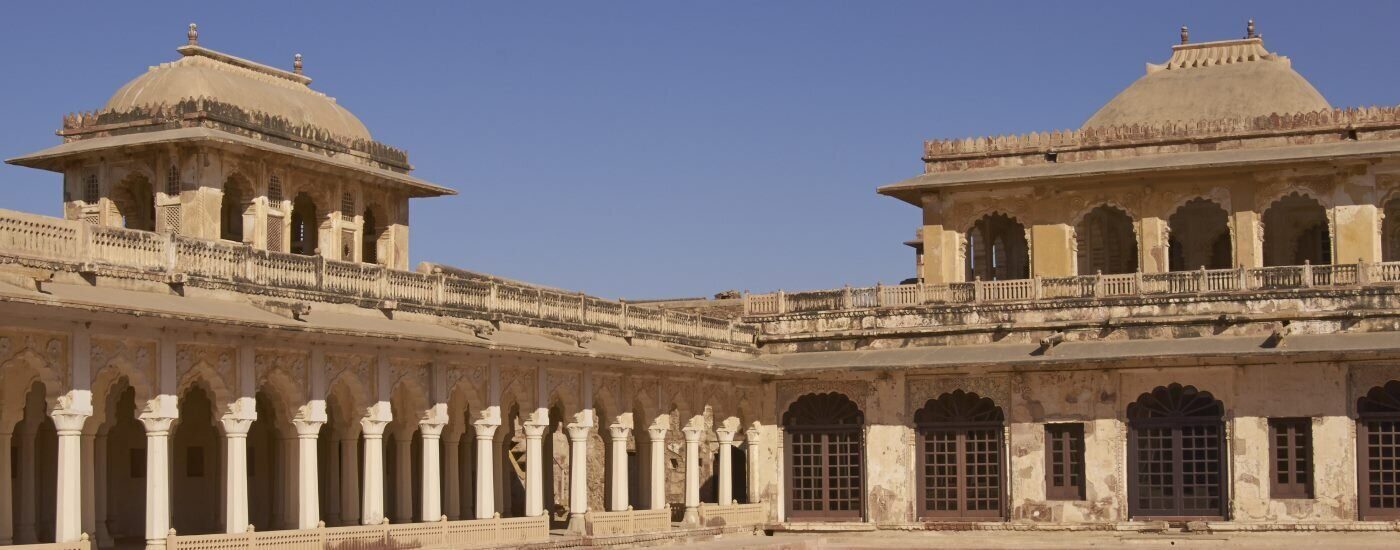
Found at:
[55, 157]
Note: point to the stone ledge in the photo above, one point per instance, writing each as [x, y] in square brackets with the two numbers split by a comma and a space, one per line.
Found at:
[1125, 526]
[1314, 527]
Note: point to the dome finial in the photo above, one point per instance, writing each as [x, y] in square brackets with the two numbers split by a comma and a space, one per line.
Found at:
[193, 35]
[1185, 35]
[1249, 29]
[296, 63]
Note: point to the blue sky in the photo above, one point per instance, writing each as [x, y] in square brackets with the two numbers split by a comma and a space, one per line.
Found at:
[650, 149]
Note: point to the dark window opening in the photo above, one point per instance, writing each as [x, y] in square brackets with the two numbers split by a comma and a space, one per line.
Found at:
[1064, 461]
[1290, 446]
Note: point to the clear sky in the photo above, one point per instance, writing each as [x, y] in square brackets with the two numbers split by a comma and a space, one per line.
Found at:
[662, 149]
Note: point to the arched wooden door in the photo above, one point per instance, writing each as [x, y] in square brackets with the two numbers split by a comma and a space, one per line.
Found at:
[1176, 455]
[1378, 452]
[960, 457]
[824, 458]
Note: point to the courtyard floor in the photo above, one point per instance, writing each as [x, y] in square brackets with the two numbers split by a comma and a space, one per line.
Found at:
[1047, 540]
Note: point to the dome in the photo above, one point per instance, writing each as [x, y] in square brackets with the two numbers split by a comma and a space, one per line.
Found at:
[1231, 79]
[251, 86]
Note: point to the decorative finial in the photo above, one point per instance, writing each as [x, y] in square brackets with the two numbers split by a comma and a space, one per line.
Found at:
[1185, 35]
[296, 64]
[193, 35]
[1249, 29]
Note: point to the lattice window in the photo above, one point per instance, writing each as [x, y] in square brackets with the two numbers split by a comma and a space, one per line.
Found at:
[347, 206]
[1290, 446]
[274, 189]
[1064, 461]
[91, 193]
[960, 457]
[824, 457]
[170, 214]
[1176, 454]
[172, 180]
[274, 233]
[1378, 442]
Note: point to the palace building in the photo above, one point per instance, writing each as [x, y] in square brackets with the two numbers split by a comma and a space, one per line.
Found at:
[1184, 314]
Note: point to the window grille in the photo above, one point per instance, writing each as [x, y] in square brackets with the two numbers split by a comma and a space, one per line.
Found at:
[274, 233]
[90, 192]
[347, 206]
[170, 213]
[1291, 448]
[1064, 461]
[274, 189]
[172, 180]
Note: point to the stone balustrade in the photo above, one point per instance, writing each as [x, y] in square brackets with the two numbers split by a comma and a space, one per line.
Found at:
[80, 246]
[733, 515]
[494, 532]
[1040, 289]
[627, 522]
[82, 544]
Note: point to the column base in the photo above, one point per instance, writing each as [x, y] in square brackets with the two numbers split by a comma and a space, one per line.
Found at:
[691, 517]
[577, 524]
[155, 544]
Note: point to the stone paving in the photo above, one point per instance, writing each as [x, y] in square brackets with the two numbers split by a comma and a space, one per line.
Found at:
[1048, 541]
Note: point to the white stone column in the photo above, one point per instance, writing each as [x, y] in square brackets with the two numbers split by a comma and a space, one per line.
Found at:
[236, 473]
[102, 537]
[534, 470]
[349, 480]
[619, 434]
[726, 472]
[157, 480]
[658, 467]
[452, 501]
[24, 531]
[308, 496]
[68, 499]
[692, 475]
[578, 476]
[372, 511]
[403, 477]
[485, 495]
[431, 505]
[751, 441]
[7, 525]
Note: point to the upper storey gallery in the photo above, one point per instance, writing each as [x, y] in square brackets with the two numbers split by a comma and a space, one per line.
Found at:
[219, 147]
[1221, 157]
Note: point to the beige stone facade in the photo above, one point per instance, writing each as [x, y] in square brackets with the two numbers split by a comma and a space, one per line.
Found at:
[1158, 319]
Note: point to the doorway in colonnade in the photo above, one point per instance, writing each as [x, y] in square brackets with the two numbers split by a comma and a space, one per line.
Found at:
[33, 473]
[1176, 455]
[1296, 231]
[271, 467]
[824, 458]
[196, 467]
[125, 470]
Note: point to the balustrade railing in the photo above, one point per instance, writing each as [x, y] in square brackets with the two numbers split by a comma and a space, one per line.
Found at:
[1203, 281]
[79, 243]
[627, 522]
[733, 515]
[496, 532]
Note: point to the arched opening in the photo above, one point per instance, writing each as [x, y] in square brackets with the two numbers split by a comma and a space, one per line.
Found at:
[1378, 452]
[1390, 231]
[372, 233]
[196, 479]
[33, 479]
[1176, 455]
[1296, 232]
[997, 250]
[1106, 242]
[961, 460]
[271, 466]
[824, 455]
[513, 464]
[556, 469]
[1200, 237]
[305, 225]
[234, 207]
[125, 466]
[598, 453]
[639, 463]
[135, 201]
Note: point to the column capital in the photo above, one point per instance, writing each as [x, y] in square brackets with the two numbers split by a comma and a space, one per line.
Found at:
[578, 432]
[308, 429]
[431, 428]
[752, 436]
[373, 428]
[157, 425]
[725, 435]
[692, 434]
[236, 427]
[68, 422]
[657, 433]
[534, 431]
[619, 431]
[485, 430]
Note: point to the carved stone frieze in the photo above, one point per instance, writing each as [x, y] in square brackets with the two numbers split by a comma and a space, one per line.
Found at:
[293, 364]
[919, 390]
[359, 367]
[788, 391]
[217, 361]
